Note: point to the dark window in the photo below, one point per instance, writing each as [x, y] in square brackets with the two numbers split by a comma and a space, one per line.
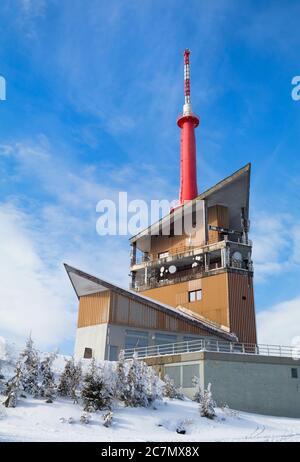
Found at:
[294, 373]
[163, 339]
[113, 353]
[136, 339]
[195, 295]
[88, 353]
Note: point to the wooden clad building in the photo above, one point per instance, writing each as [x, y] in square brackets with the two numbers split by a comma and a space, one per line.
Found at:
[111, 318]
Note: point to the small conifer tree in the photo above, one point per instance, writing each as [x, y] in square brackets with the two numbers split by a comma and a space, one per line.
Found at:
[47, 386]
[96, 393]
[70, 380]
[207, 405]
[13, 387]
[30, 363]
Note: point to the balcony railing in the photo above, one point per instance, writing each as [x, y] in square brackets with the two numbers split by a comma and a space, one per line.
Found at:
[218, 346]
[186, 251]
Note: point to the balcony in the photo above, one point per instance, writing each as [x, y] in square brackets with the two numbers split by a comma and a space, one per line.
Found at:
[182, 252]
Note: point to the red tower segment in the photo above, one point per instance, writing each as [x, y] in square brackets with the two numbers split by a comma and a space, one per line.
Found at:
[187, 123]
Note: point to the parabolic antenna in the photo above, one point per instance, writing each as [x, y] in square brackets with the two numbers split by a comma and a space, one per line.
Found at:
[237, 256]
[172, 269]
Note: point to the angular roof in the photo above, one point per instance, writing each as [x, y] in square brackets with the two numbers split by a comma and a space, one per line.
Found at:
[232, 191]
[86, 284]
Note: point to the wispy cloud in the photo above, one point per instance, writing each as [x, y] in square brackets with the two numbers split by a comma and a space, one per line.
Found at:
[280, 323]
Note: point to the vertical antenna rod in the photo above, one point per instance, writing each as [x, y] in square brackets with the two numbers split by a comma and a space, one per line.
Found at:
[187, 108]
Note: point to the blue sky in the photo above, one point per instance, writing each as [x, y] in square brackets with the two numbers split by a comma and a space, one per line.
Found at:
[93, 92]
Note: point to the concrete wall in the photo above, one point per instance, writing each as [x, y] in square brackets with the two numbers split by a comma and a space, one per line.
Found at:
[260, 384]
[94, 337]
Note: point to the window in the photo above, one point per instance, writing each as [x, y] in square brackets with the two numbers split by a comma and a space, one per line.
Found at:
[195, 295]
[162, 339]
[294, 373]
[173, 372]
[136, 339]
[113, 353]
[188, 373]
[163, 255]
[88, 353]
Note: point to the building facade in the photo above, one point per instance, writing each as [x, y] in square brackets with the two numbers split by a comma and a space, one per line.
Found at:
[111, 319]
[208, 270]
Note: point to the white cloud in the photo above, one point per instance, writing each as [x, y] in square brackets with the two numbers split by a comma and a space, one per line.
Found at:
[32, 296]
[278, 325]
[276, 246]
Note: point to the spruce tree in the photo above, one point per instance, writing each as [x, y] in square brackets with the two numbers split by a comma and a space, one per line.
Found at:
[96, 393]
[198, 396]
[48, 386]
[121, 377]
[154, 385]
[70, 380]
[136, 384]
[30, 363]
[14, 387]
[207, 405]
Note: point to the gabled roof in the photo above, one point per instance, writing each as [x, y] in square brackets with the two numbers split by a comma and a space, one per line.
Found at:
[86, 284]
[233, 190]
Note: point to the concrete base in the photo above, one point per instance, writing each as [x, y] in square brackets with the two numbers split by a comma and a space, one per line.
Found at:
[246, 382]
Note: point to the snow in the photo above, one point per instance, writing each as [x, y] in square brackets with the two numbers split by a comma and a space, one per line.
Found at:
[34, 420]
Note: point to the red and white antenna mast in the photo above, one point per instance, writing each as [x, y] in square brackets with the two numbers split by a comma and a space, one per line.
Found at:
[187, 123]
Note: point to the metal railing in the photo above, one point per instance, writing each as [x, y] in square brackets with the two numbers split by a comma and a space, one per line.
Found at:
[186, 251]
[218, 346]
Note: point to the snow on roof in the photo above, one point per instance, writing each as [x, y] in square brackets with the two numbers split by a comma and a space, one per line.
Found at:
[86, 284]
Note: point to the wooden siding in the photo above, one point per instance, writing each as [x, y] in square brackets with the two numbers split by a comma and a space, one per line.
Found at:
[217, 216]
[93, 309]
[125, 311]
[214, 303]
[242, 311]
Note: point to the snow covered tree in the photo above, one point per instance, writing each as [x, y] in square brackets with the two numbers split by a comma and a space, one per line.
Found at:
[198, 396]
[14, 387]
[30, 362]
[47, 386]
[207, 405]
[136, 384]
[70, 380]
[153, 385]
[121, 377]
[169, 389]
[96, 393]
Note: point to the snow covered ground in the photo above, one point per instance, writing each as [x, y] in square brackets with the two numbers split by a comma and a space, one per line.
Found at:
[34, 420]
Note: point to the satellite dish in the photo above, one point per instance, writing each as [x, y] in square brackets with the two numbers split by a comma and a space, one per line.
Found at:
[237, 256]
[162, 269]
[194, 264]
[172, 269]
